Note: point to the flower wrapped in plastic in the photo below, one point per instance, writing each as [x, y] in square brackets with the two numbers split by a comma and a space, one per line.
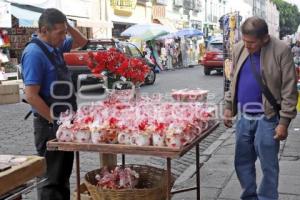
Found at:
[159, 135]
[118, 178]
[141, 135]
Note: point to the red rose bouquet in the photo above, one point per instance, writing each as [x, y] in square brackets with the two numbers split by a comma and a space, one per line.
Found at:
[117, 66]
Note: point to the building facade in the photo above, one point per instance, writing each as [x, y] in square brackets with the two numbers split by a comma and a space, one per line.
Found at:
[243, 7]
[123, 14]
[272, 18]
[258, 7]
[268, 11]
[212, 11]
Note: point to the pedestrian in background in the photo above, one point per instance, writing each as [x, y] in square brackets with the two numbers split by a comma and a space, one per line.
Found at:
[43, 65]
[169, 53]
[264, 95]
[296, 53]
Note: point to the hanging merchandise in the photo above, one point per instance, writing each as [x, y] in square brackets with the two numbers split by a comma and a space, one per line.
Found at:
[230, 24]
[4, 38]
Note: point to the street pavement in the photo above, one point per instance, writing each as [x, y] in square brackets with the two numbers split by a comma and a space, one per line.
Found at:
[17, 134]
[218, 179]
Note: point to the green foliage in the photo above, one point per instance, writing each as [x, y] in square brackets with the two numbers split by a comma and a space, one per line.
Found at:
[289, 17]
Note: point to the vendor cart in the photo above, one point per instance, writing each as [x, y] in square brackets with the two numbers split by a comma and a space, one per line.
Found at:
[164, 152]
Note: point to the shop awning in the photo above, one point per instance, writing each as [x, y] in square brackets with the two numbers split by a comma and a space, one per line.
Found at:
[84, 22]
[27, 18]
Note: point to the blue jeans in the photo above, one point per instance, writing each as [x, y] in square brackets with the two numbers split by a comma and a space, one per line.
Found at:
[254, 138]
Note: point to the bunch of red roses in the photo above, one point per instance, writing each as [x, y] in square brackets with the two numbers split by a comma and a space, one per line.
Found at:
[117, 64]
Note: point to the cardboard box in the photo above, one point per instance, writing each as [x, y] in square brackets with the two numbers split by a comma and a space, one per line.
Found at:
[21, 173]
[9, 94]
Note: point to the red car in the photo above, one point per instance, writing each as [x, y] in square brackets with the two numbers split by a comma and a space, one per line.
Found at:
[213, 58]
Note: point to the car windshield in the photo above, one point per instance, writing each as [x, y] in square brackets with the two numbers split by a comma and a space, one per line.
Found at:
[124, 48]
[135, 52]
[130, 50]
[216, 47]
[93, 46]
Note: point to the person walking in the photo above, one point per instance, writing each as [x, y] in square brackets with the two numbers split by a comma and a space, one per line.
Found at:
[263, 97]
[43, 66]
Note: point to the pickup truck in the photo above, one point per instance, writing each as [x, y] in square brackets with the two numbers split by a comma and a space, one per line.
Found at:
[76, 60]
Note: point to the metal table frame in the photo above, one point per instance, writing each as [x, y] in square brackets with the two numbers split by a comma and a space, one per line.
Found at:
[30, 185]
[54, 145]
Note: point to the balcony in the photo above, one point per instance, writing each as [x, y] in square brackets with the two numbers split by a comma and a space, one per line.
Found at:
[178, 3]
[142, 2]
[197, 5]
[162, 2]
[188, 4]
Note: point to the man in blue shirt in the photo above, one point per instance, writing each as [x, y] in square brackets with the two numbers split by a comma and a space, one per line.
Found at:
[43, 65]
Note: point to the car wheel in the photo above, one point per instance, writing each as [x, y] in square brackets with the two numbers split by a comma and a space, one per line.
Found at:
[150, 79]
[206, 71]
[219, 70]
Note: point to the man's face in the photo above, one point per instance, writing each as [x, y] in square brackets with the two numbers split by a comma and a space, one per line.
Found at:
[57, 34]
[252, 43]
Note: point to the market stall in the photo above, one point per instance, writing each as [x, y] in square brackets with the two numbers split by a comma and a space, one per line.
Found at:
[230, 24]
[164, 152]
[139, 125]
[17, 173]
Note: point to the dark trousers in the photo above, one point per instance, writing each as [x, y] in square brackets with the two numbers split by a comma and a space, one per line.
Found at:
[59, 164]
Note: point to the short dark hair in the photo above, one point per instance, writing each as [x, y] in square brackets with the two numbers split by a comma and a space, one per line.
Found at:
[255, 26]
[50, 17]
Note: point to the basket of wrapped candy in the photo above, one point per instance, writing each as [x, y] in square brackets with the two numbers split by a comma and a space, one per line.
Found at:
[134, 182]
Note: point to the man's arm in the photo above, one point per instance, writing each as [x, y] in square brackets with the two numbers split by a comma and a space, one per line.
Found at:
[35, 100]
[227, 116]
[79, 40]
[289, 93]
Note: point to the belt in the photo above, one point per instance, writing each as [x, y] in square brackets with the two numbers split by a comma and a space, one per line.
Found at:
[37, 115]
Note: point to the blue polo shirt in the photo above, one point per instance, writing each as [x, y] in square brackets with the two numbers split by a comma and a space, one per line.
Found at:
[249, 95]
[37, 68]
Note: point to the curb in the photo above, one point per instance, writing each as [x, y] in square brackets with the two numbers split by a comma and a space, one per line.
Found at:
[205, 156]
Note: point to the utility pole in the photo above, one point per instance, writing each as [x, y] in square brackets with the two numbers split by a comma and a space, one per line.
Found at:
[253, 7]
[205, 10]
[211, 11]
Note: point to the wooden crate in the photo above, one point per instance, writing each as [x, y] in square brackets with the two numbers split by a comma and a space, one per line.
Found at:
[9, 94]
[18, 175]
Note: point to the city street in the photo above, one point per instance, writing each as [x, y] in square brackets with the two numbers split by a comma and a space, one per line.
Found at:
[200, 48]
[18, 134]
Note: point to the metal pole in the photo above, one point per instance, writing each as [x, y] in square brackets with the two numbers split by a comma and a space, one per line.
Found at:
[77, 174]
[205, 10]
[123, 161]
[198, 171]
[168, 178]
[253, 7]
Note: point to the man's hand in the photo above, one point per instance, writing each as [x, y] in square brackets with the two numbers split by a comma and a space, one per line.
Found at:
[228, 118]
[79, 40]
[281, 132]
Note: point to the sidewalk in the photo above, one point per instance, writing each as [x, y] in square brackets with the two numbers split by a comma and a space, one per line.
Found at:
[219, 181]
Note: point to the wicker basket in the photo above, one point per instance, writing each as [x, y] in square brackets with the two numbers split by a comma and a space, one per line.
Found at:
[84, 194]
[152, 185]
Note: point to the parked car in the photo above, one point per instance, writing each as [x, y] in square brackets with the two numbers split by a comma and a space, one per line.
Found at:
[213, 58]
[76, 60]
